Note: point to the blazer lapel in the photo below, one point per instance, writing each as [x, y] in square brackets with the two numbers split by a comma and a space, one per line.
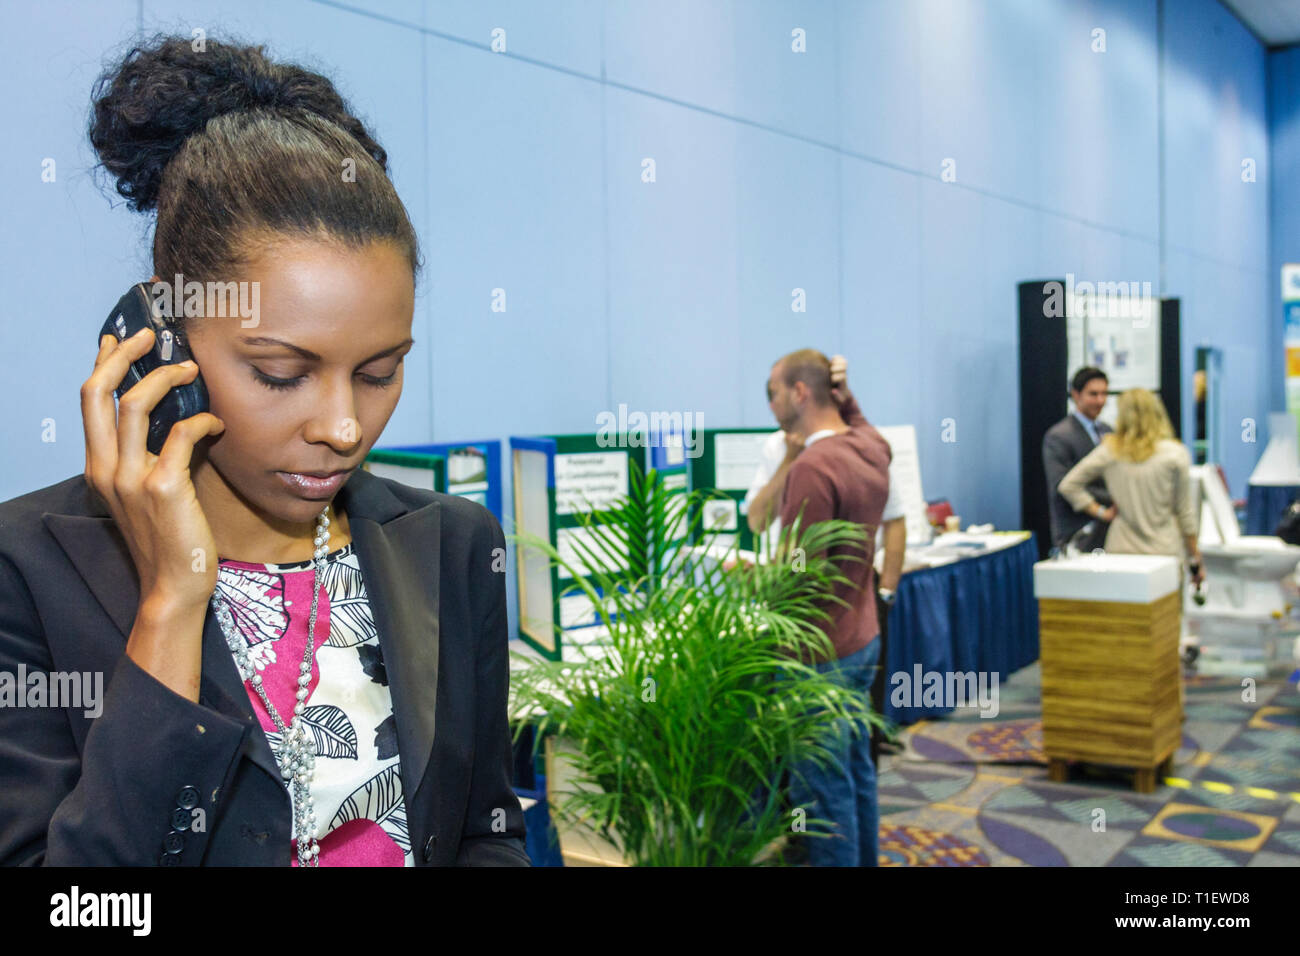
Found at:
[399, 552]
[98, 551]
[400, 556]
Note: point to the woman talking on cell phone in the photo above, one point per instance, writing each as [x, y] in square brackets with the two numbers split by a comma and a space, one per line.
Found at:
[302, 663]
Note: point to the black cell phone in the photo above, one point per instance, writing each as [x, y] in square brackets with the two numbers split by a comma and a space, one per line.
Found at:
[132, 313]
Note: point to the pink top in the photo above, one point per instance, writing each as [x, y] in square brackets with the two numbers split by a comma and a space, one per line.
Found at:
[357, 787]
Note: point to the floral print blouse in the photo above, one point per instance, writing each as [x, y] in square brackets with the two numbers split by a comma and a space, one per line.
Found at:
[357, 788]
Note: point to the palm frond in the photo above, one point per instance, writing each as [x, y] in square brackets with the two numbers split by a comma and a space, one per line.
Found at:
[697, 700]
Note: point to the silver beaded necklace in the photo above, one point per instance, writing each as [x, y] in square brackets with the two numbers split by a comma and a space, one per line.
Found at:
[297, 755]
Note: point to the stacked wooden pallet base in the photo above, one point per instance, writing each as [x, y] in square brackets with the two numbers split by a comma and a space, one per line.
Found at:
[1112, 685]
[1145, 779]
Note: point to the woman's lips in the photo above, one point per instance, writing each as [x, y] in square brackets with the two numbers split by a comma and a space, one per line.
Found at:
[311, 487]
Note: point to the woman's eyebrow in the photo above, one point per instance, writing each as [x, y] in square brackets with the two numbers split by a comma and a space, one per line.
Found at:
[309, 354]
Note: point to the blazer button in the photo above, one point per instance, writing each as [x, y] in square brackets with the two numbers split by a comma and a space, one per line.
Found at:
[169, 859]
[173, 842]
[181, 819]
[429, 844]
[188, 798]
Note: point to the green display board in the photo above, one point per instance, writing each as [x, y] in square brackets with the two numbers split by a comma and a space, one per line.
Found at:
[725, 468]
[556, 478]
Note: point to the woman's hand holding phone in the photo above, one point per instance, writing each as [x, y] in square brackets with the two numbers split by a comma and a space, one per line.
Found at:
[154, 503]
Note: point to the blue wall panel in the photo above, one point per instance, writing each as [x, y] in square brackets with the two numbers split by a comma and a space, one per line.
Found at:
[773, 170]
[788, 216]
[674, 314]
[68, 255]
[516, 204]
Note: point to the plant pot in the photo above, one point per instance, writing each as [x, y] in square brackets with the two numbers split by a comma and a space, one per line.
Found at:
[579, 845]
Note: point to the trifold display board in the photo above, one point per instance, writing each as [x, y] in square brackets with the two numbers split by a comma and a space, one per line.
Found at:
[472, 469]
[556, 478]
[415, 468]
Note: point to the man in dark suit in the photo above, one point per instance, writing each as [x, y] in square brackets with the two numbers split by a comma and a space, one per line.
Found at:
[1065, 445]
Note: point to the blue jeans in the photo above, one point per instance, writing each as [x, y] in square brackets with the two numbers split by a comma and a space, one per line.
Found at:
[844, 794]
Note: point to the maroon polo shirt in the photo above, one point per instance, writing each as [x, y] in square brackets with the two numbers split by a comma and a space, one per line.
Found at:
[846, 477]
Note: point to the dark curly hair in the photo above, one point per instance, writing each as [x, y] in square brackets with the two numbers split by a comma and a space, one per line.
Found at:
[234, 151]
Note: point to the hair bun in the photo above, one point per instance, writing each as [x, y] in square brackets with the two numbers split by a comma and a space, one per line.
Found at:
[162, 92]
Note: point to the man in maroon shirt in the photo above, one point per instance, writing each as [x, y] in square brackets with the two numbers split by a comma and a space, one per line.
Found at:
[842, 472]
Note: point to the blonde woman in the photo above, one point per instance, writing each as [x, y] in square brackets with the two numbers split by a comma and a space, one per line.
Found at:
[1146, 472]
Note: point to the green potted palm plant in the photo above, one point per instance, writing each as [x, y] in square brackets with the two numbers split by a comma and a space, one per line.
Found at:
[677, 725]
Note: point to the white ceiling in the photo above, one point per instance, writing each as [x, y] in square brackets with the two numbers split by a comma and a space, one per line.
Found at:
[1276, 22]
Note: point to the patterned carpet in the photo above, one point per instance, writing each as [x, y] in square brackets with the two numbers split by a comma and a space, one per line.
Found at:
[968, 791]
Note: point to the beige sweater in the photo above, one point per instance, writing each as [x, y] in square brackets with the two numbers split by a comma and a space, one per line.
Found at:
[1154, 498]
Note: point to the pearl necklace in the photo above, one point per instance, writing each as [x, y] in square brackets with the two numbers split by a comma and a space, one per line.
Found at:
[297, 756]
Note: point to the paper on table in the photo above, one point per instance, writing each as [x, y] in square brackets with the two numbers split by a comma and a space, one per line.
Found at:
[955, 546]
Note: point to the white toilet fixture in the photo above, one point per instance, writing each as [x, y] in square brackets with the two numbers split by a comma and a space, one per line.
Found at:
[1245, 574]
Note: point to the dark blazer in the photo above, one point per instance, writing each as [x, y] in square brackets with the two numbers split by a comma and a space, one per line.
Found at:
[1064, 446]
[76, 790]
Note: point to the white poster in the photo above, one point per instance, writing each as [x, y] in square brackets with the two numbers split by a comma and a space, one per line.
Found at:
[736, 457]
[1075, 334]
[1123, 340]
[576, 610]
[589, 480]
[406, 474]
[467, 471]
[905, 469]
[581, 549]
[720, 515]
